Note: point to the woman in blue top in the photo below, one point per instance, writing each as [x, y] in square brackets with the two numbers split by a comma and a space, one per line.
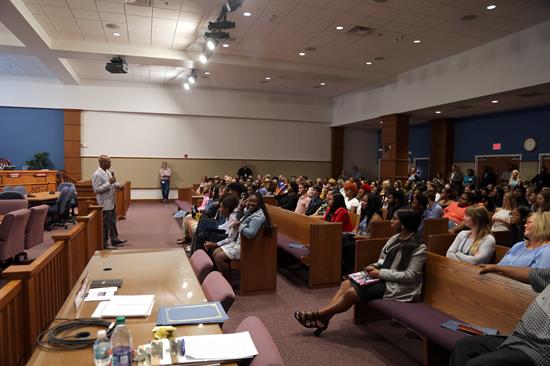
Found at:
[533, 253]
[470, 179]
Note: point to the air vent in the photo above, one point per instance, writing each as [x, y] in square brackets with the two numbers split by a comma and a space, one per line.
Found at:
[359, 30]
[531, 95]
[465, 106]
[142, 2]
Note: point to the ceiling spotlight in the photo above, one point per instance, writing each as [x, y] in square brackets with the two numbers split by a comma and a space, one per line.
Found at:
[438, 112]
[323, 84]
[381, 122]
[225, 45]
[339, 27]
[191, 79]
[207, 73]
[247, 13]
[203, 59]
[368, 63]
[491, 7]
[205, 55]
[417, 41]
[301, 53]
[116, 34]
[211, 44]
[267, 78]
[494, 101]
[186, 86]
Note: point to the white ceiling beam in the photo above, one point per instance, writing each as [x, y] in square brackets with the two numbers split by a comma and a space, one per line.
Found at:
[19, 20]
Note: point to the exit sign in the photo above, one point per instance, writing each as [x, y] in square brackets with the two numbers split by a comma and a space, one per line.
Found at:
[497, 146]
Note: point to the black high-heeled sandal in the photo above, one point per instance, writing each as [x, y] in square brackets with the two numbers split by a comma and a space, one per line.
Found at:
[311, 319]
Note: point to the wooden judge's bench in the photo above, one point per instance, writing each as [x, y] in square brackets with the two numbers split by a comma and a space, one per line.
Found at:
[33, 180]
[86, 197]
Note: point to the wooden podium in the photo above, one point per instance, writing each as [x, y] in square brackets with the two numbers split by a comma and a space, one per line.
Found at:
[34, 180]
[87, 197]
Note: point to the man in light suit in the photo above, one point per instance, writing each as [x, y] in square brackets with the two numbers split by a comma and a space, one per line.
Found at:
[105, 185]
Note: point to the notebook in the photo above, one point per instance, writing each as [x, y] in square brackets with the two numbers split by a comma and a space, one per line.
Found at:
[204, 313]
[469, 329]
[362, 278]
[126, 305]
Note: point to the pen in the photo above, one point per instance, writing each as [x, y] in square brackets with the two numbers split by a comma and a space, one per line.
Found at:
[182, 348]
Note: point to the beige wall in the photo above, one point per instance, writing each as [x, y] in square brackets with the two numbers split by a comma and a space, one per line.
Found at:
[144, 172]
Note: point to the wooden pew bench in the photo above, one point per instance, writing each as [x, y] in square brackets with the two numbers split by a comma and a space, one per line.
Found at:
[440, 243]
[185, 198]
[322, 239]
[452, 290]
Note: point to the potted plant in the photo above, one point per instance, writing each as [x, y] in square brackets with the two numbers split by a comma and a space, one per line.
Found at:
[40, 161]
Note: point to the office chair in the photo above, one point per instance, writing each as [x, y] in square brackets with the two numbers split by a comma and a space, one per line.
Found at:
[11, 195]
[73, 202]
[20, 189]
[59, 214]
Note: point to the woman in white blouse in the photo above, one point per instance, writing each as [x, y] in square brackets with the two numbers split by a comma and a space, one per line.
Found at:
[477, 245]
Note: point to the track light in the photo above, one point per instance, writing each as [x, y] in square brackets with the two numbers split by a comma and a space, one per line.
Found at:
[203, 59]
[191, 79]
[186, 86]
[211, 44]
[205, 55]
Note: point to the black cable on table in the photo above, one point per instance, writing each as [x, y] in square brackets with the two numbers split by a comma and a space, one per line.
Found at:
[56, 341]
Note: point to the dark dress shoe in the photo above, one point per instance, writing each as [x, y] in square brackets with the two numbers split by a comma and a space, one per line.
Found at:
[118, 242]
[109, 247]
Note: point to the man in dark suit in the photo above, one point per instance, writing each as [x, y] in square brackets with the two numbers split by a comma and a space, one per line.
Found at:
[315, 200]
[488, 177]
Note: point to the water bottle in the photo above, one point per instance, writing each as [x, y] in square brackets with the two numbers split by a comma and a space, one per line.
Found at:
[121, 342]
[102, 349]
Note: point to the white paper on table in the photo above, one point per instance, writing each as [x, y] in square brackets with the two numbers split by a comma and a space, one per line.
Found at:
[218, 347]
[99, 309]
[101, 294]
[129, 305]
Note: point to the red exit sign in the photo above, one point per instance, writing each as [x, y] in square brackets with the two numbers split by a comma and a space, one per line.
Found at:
[497, 146]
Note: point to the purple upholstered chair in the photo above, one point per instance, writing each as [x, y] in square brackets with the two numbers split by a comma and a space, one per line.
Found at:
[202, 264]
[268, 353]
[12, 233]
[34, 234]
[216, 288]
[12, 205]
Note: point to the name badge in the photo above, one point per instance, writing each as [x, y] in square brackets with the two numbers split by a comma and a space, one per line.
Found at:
[380, 261]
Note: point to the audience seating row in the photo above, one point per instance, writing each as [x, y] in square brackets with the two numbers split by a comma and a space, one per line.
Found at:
[323, 242]
[12, 205]
[450, 287]
[440, 243]
[46, 282]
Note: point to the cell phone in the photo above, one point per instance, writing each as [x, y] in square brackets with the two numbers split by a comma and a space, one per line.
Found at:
[106, 283]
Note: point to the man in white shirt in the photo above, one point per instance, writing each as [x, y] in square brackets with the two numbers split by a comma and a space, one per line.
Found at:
[105, 186]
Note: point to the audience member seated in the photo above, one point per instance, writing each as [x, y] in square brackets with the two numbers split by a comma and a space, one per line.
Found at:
[322, 210]
[190, 222]
[535, 251]
[527, 345]
[227, 209]
[515, 179]
[455, 211]
[434, 210]
[304, 199]
[477, 245]
[543, 201]
[254, 218]
[350, 191]
[371, 211]
[396, 200]
[399, 271]
[506, 216]
[289, 200]
[337, 212]
[315, 202]
[445, 198]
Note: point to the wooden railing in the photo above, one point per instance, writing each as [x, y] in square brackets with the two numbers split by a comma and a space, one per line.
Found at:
[47, 281]
[12, 317]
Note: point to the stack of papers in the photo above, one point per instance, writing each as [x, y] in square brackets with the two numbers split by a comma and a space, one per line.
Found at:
[204, 313]
[202, 349]
[101, 294]
[125, 305]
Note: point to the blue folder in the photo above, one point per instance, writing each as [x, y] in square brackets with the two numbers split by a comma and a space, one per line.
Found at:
[203, 313]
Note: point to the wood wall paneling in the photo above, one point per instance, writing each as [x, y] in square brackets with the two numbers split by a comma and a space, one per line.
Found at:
[72, 141]
[395, 135]
[337, 151]
[442, 147]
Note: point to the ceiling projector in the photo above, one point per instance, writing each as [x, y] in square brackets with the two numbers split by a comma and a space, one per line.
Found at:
[117, 65]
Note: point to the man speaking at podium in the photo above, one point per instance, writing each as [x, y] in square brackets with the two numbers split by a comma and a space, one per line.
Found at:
[105, 186]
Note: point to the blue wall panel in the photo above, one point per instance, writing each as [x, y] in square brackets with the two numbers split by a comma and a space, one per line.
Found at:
[419, 141]
[475, 135]
[26, 131]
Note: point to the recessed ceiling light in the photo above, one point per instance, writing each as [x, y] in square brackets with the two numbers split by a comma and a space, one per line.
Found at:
[116, 34]
[207, 73]
[368, 63]
[417, 41]
[301, 53]
[494, 101]
[491, 7]
[438, 112]
[225, 45]
[186, 86]
[339, 27]
[267, 78]
[323, 84]
[247, 13]
[381, 122]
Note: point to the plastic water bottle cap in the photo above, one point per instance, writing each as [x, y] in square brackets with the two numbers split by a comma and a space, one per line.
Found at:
[101, 334]
[120, 320]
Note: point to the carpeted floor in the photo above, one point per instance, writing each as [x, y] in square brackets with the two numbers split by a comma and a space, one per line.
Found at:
[151, 225]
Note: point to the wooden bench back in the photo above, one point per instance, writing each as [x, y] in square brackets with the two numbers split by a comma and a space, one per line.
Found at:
[258, 265]
[440, 243]
[294, 225]
[270, 200]
[435, 226]
[367, 251]
[489, 300]
[353, 218]
[504, 238]
[381, 229]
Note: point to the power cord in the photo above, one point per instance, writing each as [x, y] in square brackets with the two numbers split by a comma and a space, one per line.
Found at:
[59, 340]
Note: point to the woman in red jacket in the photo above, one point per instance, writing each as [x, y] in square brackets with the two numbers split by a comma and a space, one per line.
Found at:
[337, 212]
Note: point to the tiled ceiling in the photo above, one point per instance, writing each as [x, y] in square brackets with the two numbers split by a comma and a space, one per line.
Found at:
[23, 66]
[267, 43]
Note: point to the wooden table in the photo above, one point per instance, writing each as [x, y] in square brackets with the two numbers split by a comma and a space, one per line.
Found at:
[40, 197]
[166, 273]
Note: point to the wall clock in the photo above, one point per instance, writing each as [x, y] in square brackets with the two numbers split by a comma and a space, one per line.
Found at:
[530, 144]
